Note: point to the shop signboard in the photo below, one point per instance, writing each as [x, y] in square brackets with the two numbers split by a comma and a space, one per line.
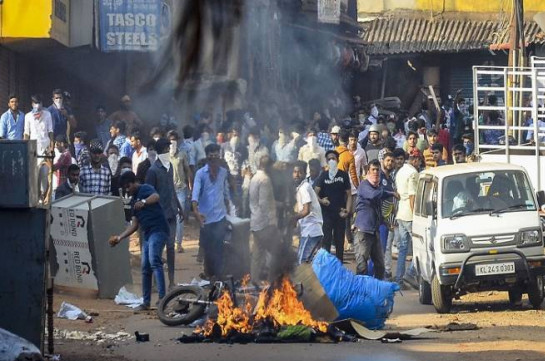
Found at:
[132, 25]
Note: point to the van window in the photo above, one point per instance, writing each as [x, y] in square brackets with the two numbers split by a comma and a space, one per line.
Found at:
[427, 198]
[483, 192]
[418, 200]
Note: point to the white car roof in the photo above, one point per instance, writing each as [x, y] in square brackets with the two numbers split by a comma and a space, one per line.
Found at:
[449, 170]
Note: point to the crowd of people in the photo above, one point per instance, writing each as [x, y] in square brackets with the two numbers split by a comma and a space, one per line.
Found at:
[341, 183]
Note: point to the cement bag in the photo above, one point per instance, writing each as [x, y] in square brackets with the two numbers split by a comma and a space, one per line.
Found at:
[362, 298]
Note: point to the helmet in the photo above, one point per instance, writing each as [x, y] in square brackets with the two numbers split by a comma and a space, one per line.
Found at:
[375, 128]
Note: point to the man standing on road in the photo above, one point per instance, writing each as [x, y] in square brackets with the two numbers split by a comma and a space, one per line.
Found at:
[389, 208]
[39, 127]
[367, 245]
[148, 214]
[140, 152]
[406, 183]
[12, 122]
[210, 202]
[346, 161]
[60, 115]
[183, 180]
[308, 214]
[263, 221]
[334, 194]
[161, 177]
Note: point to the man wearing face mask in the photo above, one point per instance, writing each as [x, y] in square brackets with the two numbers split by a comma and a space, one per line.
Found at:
[39, 127]
[146, 164]
[457, 115]
[127, 115]
[183, 179]
[297, 140]
[95, 178]
[124, 165]
[60, 115]
[201, 143]
[255, 150]
[161, 177]
[283, 149]
[113, 158]
[312, 150]
[235, 153]
[335, 197]
[81, 151]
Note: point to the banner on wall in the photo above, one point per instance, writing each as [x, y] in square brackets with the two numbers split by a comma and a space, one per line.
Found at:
[132, 25]
[329, 11]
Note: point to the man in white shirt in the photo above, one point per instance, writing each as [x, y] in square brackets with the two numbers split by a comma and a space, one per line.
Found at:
[39, 127]
[406, 181]
[312, 150]
[140, 152]
[308, 214]
[263, 221]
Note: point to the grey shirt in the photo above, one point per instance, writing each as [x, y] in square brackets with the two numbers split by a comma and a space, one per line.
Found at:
[163, 181]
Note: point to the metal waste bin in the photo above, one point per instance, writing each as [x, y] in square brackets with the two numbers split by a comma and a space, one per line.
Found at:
[83, 259]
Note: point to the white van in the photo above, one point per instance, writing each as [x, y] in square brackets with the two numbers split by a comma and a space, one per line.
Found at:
[476, 227]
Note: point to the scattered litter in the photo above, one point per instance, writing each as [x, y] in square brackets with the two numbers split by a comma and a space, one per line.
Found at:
[55, 357]
[99, 336]
[124, 297]
[198, 282]
[141, 337]
[71, 312]
[390, 340]
[355, 327]
[455, 326]
[13, 347]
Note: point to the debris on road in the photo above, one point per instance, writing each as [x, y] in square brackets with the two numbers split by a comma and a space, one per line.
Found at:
[141, 337]
[71, 312]
[357, 328]
[455, 326]
[129, 299]
[99, 336]
[13, 347]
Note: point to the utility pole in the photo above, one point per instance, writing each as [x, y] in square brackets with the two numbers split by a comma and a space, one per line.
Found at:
[516, 59]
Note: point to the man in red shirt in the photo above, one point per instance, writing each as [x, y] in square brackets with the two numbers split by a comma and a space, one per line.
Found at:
[60, 167]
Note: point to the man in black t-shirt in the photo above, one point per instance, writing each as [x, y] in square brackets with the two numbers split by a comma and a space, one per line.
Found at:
[334, 194]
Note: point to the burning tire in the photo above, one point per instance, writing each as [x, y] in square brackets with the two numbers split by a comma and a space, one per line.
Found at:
[178, 307]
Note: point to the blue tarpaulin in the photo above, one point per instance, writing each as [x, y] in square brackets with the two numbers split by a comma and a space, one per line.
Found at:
[362, 298]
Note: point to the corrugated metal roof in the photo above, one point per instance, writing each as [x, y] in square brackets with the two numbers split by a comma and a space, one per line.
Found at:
[395, 35]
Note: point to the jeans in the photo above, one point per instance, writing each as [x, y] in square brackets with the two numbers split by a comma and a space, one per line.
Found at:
[367, 246]
[405, 241]
[182, 197]
[152, 249]
[212, 237]
[306, 246]
[392, 235]
[333, 228]
[170, 251]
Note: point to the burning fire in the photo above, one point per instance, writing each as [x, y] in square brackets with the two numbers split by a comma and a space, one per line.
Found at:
[279, 306]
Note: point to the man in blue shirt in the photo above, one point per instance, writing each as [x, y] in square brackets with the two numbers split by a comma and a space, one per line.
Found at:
[210, 202]
[148, 214]
[12, 122]
[103, 125]
[59, 114]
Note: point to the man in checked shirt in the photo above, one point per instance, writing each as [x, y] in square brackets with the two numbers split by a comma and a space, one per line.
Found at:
[95, 178]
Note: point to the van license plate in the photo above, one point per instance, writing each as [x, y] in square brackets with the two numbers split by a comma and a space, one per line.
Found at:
[494, 269]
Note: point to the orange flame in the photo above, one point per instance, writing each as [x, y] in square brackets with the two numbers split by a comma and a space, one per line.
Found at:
[281, 307]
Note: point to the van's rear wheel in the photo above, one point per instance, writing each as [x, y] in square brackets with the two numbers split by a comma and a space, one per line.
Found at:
[424, 291]
[441, 296]
[535, 292]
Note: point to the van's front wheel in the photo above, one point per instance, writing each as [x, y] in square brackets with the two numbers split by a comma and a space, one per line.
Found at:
[535, 292]
[441, 296]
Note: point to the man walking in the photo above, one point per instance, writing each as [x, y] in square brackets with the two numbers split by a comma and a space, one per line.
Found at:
[334, 194]
[148, 214]
[210, 202]
[263, 221]
[308, 214]
[406, 183]
[95, 178]
[161, 177]
[12, 122]
[367, 245]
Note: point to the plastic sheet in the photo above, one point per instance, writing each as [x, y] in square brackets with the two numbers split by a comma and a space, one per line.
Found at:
[124, 297]
[362, 298]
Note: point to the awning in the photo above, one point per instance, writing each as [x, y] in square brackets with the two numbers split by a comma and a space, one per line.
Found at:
[405, 34]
